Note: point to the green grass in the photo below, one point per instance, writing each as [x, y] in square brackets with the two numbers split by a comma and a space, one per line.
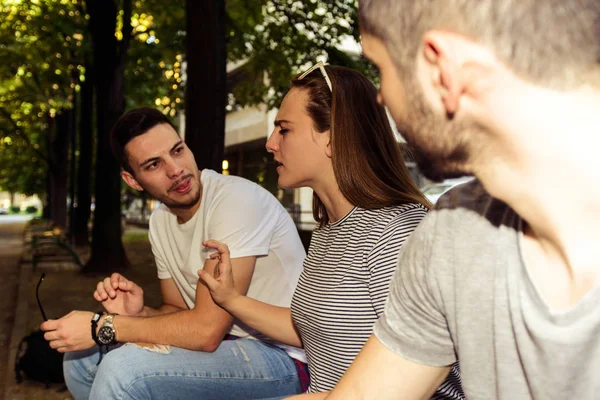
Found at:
[133, 237]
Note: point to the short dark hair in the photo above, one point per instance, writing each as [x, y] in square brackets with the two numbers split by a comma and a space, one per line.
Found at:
[132, 124]
[552, 43]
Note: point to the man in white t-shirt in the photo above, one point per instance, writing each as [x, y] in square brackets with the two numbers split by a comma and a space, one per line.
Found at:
[184, 354]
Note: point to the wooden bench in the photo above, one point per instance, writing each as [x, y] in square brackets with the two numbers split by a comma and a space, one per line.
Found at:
[52, 245]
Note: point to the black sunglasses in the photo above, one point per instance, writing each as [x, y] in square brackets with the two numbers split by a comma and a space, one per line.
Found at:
[37, 296]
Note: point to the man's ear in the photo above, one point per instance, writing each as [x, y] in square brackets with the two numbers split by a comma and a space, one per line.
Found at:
[456, 66]
[131, 181]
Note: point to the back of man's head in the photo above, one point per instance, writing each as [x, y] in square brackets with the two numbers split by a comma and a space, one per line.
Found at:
[132, 124]
[551, 43]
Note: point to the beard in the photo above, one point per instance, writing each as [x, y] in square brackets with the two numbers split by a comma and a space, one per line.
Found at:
[438, 143]
[193, 198]
[189, 199]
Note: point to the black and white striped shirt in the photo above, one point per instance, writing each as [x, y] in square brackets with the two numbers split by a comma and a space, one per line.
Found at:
[344, 285]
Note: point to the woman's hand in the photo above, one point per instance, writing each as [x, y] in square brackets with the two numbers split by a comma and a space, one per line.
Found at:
[221, 285]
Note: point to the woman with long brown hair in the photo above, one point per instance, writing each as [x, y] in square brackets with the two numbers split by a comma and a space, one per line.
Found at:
[332, 136]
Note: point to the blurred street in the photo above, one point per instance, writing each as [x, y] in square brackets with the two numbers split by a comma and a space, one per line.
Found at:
[11, 246]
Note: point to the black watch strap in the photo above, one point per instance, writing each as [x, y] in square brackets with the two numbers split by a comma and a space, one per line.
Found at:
[95, 320]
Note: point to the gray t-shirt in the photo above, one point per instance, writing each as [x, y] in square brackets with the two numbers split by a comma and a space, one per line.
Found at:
[462, 291]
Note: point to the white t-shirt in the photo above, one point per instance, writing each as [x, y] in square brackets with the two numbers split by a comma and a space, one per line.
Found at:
[251, 222]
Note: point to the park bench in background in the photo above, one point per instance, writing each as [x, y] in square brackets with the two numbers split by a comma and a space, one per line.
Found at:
[49, 244]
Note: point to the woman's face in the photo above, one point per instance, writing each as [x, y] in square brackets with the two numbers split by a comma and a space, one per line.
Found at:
[302, 154]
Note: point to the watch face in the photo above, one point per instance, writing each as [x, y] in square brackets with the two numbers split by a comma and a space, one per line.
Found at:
[106, 335]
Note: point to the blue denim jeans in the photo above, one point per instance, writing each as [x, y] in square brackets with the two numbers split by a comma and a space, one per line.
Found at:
[239, 369]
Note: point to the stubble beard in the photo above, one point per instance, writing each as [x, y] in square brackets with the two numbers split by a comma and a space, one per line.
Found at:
[437, 142]
[174, 204]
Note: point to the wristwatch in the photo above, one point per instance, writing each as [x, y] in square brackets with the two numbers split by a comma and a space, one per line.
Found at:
[107, 333]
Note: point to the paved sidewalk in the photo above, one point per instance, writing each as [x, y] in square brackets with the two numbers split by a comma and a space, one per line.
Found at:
[11, 235]
[63, 289]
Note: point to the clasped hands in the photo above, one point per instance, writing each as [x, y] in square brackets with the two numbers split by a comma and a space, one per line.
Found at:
[72, 332]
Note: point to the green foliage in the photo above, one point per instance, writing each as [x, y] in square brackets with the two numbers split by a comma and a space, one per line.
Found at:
[41, 44]
[269, 41]
[277, 39]
[153, 74]
[21, 169]
[15, 209]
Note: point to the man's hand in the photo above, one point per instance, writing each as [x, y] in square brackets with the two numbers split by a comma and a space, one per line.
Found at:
[119, 295]
[69, 333]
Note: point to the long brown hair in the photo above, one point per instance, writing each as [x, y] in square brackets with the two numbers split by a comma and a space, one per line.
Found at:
[367, 161]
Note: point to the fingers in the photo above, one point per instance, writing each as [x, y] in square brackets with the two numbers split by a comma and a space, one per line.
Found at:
[60, 344]
[116, 279]
[108, 287]
[49, 325]
[53, 336]
[223, 251]
[104, 290]
[100, 293]
[119, 282]
[56, 344]
[63, 348]
[208, 280]
[214, 244]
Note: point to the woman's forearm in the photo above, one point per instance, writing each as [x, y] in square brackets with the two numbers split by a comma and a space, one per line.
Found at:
[272, 321]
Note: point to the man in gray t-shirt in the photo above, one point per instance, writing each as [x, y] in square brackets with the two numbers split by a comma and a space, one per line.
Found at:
[470, 296]
[504, 273]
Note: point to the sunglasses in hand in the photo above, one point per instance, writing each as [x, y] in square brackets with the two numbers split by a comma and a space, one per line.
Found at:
[37, 296]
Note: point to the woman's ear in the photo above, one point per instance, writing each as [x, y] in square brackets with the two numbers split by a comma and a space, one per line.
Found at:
[328, 151]
[327, 139]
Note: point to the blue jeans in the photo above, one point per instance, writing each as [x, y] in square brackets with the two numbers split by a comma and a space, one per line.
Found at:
[239, 369]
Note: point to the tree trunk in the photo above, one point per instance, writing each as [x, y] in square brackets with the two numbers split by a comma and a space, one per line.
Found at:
[59, 167]
[47, 206]
[73, 168]
[47, 202]
[84, 170]
[206, 85]
[108, 253]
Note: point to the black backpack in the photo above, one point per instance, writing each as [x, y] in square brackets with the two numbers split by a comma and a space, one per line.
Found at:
[38, 360]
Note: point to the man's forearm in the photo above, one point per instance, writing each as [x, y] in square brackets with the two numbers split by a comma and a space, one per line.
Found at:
[163, 309]
[186, 329]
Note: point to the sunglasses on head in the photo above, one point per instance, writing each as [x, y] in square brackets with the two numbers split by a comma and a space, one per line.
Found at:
[321, 68]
